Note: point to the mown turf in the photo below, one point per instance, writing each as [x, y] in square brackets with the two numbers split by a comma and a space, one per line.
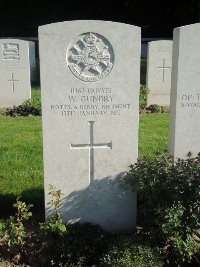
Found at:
[153, 133]
[21, 171]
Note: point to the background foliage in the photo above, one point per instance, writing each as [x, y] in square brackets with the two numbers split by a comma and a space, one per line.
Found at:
[168, 203]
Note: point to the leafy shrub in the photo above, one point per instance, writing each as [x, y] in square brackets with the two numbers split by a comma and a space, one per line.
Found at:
[3, 111]
[71, 245]
[54, 224]
[126, 251]
[165, 109]
[80, 245]
[168, 203]
[143, 70]
[168, 197]
[143, 96]
[13, 229]
[51, 234]
[13, 234]
[29, 107]
[84, 245]
[154, 108]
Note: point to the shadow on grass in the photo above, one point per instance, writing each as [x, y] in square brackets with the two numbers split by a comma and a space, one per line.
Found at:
[31, 196]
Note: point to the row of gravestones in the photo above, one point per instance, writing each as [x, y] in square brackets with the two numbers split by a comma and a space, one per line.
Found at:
[17, 70]
[90, 104]
[159, 71]
[90, 90]
[19, 55]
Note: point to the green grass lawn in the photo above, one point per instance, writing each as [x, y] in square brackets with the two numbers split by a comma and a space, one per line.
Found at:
[153, 133]
[21, 171]
[21, 167]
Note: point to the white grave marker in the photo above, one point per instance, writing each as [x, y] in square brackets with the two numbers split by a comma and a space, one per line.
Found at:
[90, 91]
[159, 61]
[185, 92]
[15, 85]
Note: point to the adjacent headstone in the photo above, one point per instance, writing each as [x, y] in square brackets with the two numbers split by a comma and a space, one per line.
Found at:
[90, 91]
[15, 85]
[159, 63]
[32, 61]
[185, 92]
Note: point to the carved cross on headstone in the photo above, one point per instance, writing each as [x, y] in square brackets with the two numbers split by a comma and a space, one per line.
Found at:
[163, 69]
[91, 146]
[13, 82]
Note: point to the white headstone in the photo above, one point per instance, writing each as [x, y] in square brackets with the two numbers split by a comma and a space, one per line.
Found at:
[185, 92]
[15, 85]
[159, 62]
[90, 90]
[32, 60]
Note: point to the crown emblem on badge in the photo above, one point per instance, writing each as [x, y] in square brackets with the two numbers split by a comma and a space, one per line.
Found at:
[90, 39]
[90, 57]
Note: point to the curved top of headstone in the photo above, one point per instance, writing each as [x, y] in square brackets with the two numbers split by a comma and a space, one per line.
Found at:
[160, 42]
[185, 27]
[14, 39]
[11, 49]
[90, 45]
[91, 23]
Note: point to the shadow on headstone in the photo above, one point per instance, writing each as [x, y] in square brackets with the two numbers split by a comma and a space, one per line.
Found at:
[91, 205]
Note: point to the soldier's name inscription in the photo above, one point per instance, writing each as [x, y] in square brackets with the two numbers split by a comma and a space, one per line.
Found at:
[93, 102]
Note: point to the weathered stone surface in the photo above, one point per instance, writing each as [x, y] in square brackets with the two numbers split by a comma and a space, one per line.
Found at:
[90, 91]
[159, 62]
[185, 92]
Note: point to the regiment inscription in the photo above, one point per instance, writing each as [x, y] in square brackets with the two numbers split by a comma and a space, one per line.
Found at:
[94, 102]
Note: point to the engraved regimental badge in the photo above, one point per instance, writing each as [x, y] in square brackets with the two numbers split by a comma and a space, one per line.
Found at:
[10, 51]
[90, 57]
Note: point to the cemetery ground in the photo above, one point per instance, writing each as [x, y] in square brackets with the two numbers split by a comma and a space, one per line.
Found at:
[175, 241]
